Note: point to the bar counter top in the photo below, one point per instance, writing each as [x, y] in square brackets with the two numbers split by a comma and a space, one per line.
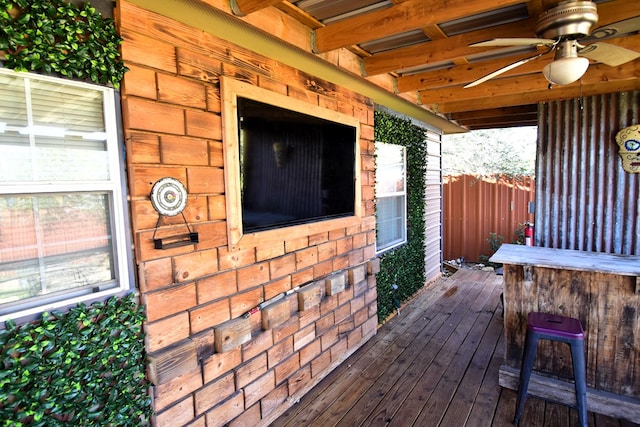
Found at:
[599, 262]
[602, 291]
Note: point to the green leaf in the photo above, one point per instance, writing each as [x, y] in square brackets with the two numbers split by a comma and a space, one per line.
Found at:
[70, 382]
[10, 325]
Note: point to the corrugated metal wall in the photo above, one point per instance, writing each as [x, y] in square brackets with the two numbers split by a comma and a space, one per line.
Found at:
[433, 207]
[475, 207]
[585, 200]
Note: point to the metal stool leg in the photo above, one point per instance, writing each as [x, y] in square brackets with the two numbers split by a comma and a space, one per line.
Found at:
[530, 348]
[579, 377]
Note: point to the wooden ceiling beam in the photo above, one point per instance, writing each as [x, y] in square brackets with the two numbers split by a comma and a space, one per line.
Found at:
[533, 96]
[499, 125]
[434, 32]
[463, 74]
[505, 118]
[502, 122]
[535, 7]
[458, 46]
[523, 85]
[491, 114]
[466, 73]
[299, 14]
[399, 18]
[245, 7]
[443, 49]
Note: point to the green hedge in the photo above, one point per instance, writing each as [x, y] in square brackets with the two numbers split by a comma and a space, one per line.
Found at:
[404, 266]
[82, 368]
[58, 38]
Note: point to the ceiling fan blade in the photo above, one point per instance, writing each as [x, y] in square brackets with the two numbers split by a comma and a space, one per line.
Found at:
[503, 70]
[616, 29]
[515, 42]
[608, 54]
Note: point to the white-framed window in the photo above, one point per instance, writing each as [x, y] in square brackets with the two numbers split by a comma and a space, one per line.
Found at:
[63, 222]
[391, 196]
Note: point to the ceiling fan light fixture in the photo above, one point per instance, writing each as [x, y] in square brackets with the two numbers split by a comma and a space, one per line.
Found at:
[565, 70]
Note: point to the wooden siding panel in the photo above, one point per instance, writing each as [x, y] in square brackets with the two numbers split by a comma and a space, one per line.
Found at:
[433, 208]
[147, 115]
[173, 122]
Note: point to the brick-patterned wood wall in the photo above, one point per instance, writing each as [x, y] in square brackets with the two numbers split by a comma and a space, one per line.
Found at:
[210, 365]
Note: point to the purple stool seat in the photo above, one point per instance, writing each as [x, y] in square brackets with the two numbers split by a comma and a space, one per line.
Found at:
[554, 325]
[555, 328]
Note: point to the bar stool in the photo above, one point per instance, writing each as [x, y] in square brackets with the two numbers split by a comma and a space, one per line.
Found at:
[556, 328]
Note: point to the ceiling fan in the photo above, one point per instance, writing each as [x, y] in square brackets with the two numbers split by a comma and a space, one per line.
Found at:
[563, 29]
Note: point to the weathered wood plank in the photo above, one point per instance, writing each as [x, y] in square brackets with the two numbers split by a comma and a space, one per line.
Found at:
[310, 296]
[276, 314]
[485, 404]
[416, 387]
[232, 334]
[468, 390]
[335, 283]
[609, 404]
[336, 384]
[605, 304]
[628, 265]
[418, 334]
[457, 370]
[362, 380]
[506, 408]
[172, 362]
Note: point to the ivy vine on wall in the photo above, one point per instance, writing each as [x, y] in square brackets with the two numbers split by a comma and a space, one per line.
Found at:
[404, 266]
[58, 38]
[82, 368]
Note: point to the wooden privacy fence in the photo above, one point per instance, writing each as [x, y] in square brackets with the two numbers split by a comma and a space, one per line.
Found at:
[474, 207]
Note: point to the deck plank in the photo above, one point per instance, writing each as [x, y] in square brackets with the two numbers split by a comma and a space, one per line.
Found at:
[414, 357]
[434, 365]
[412, 363]
[459, 370]
[468, 389]
[484, 407]
[409, 395]
[329, 390]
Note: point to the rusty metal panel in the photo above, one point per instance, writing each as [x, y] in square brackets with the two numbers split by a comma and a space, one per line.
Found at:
[584, 199]
[475, 207]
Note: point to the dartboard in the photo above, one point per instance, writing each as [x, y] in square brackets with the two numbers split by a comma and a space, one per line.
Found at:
[168, 196]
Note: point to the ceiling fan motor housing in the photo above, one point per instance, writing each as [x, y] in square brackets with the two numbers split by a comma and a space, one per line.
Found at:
[570, 19]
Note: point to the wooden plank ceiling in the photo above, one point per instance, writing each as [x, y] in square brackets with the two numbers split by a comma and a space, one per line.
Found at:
[424, 47]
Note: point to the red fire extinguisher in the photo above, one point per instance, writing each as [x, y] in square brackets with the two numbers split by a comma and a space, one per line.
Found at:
[528, 234]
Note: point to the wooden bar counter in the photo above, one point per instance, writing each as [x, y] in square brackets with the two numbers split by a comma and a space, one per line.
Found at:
[603, 291]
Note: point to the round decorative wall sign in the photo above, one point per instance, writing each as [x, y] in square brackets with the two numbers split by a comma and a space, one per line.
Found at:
[168, 196]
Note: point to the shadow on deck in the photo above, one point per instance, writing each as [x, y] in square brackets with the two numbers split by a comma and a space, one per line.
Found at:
[434, 364]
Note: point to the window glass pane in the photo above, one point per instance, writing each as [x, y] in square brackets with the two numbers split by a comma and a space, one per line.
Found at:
[62, 138]
[68, 107]
[390, 169]
[52, 243]
[70, 159]
[15, 161]
[391, 222]
[13, 103]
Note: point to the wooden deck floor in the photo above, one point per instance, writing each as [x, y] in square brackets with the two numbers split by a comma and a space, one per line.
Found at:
[435, 364]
